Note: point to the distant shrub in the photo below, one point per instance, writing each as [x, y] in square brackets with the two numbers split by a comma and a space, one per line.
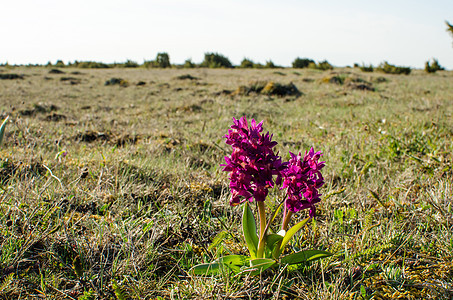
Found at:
[92, 65]
[215, 60]
[59, 64]
[323, 65]
[301, 63]
[188, 64]
[391, 69]
[247, 63]
[149, 64]
[270, 65]
[434, 67]
[365, 68]
[130, 64]
[163, 60]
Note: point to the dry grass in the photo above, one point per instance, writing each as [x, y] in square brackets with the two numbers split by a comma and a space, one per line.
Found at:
[111, 191]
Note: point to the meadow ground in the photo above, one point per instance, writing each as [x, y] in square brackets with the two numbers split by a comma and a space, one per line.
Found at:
[115, 191]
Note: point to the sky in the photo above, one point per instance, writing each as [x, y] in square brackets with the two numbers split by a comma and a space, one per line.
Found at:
[402, 32]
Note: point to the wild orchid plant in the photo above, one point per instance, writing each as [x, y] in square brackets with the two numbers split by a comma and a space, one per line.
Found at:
[255, 168]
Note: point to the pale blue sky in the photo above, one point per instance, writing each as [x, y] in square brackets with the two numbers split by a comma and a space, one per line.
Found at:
[402, 32]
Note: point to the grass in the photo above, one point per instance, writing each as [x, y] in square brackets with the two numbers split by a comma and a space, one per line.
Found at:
[114, 192]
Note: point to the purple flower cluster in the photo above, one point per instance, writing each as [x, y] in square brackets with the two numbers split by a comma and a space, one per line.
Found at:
[253, 163]
[302, 179]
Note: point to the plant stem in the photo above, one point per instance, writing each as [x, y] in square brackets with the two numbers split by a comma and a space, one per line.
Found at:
[286, 219]
[262, 214]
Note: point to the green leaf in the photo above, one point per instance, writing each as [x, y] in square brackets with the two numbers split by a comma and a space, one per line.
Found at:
[249, 229]
[363, 292]
[291, 232]
[2, 129]
[234, 262]
[206, 269]
[218, 239]
[304, 256]
[272, 239]
[258, 265]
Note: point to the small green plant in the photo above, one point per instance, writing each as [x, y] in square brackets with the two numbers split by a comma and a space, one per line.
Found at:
[215, 60]
[253, 166]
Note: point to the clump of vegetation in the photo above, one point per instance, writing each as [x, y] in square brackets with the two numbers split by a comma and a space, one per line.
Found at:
[392, 69]
[186, 76]
[188, 64]
[90, 65]
[56, 71]
[11, 76]
[270, 88]
[279, 89]
[130, 64]
[59, 64]
[323, 65]
[270, 65]
[117, 81]
[162, 61]
[247, 63]
[434, 67]
[215, 60]
[300, 63]
[366, 68]
[353, 83]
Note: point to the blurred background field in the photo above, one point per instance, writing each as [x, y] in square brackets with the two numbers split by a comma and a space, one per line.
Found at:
[111, 188]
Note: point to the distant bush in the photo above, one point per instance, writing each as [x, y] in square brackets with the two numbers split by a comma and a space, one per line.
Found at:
[59, 64]
[434, 67]
[323, 65]
[365, 68]
[130, 64]
[247, 63]
[188, 64]
[163, 60]
[301, 63]
[215, 60]
[270, 65]
[391, 69]
[91, 65]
